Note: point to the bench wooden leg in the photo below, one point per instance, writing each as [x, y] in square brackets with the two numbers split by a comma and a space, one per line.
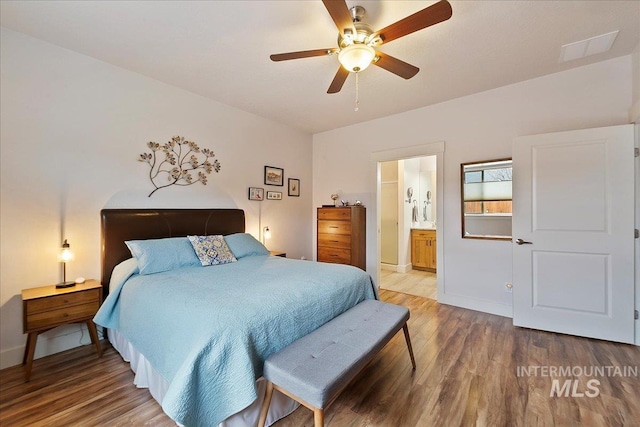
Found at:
[318, 417]
[405, 328]
[265, 405]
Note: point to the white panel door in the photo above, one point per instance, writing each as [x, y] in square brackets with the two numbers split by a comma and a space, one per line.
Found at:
[389, 223]
[573, 223]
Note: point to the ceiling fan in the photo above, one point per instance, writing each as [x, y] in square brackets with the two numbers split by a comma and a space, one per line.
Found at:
[358, 42]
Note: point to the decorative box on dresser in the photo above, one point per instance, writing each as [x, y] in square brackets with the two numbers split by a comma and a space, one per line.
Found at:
[342, 235]
[47, 307]
[423, 249]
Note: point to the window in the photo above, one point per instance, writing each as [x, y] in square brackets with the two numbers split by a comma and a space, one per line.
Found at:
[486, 199]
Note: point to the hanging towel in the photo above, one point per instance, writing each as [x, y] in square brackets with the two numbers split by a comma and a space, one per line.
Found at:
[415, 211]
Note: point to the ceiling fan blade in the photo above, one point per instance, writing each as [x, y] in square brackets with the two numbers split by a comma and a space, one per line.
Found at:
[432, 15]
[302, 54]
[396, 66]
[340, 14]
[338, 80]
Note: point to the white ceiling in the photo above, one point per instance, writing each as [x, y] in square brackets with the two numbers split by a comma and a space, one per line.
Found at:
[220, 49]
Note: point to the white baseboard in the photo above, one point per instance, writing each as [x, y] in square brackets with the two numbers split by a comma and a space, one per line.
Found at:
[405, 268]
[397, 268]
[55, 341]
[476, 304]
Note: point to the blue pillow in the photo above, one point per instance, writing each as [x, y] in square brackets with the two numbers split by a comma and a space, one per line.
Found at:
[244, 244]
[156, 255]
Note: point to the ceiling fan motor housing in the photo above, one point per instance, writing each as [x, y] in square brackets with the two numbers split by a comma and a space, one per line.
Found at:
[363, 31]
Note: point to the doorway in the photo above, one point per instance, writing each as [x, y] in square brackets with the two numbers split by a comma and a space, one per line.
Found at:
[408, 225]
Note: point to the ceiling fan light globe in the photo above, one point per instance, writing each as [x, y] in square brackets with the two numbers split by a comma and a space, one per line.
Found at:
[356, 57]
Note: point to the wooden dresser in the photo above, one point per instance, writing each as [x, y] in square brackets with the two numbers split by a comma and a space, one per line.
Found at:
[342, 235]
[423, 249]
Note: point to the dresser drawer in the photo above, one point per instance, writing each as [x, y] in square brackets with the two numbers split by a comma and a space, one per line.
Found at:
[65, 300]
[47, 319]
[334, 240]
[335, 255]
[342, 214]
[334, 227]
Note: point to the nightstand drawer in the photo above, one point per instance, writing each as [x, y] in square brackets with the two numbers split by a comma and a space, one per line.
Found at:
[47, 319]
[65, 300]
[334, 227]
[334, 240]
[335, 255]
[343, 214]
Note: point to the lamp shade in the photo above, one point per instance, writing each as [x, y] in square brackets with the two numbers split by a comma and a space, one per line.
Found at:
[267, 233]
[356, 57]
[65, 254]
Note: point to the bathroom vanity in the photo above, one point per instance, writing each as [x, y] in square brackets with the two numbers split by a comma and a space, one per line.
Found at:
[423, 249]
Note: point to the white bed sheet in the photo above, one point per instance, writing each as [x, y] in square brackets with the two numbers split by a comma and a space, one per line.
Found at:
[147, 377]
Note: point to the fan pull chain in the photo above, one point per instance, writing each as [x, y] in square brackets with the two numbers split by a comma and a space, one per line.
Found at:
[357, 98]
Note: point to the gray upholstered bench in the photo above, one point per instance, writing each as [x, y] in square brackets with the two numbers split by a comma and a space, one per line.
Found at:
[316, 368]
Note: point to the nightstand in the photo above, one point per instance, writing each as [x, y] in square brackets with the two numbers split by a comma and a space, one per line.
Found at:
[46, 307]
[278, 253]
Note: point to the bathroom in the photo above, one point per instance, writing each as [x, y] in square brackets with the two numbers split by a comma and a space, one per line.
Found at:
[407, 226]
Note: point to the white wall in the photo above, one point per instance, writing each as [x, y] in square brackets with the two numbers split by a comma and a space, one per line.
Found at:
[71, 130]
[634, 111]
[428, 182]
[411, 179]
[476, 127]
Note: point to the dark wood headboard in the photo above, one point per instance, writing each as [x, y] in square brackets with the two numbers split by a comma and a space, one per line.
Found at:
[118, 225]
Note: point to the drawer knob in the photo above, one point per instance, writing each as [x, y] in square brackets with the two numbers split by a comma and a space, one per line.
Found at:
[333, 226]
[66, 315]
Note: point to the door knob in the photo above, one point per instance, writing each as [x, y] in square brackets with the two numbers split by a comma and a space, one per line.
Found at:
[523, 242]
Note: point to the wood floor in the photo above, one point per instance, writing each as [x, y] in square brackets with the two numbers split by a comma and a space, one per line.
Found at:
[414, 282]
[467, 375]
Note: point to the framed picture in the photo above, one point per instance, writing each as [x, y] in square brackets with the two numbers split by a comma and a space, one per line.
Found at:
[256, 193]
[274, 195]
[294, 187]
[273, 176]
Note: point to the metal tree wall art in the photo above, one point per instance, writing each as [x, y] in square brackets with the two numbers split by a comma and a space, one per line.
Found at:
[178, 162]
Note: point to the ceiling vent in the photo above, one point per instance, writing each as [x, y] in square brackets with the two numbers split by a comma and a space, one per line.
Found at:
[592, 46]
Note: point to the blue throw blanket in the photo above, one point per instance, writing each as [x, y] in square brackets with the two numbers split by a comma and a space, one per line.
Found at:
[208, 330]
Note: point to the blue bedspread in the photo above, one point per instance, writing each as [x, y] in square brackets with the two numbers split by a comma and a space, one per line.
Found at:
[208, 330]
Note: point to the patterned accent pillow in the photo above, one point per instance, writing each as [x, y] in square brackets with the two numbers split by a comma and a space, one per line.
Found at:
[212, 250]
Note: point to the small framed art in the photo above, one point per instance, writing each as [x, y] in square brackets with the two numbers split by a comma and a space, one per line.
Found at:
[274, 195]
[294, 187]
[256, 193]
[273, 176]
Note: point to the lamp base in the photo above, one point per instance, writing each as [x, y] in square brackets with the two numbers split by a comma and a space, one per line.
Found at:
[65, 285]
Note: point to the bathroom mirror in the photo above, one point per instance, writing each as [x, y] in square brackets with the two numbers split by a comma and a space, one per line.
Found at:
[486, 199]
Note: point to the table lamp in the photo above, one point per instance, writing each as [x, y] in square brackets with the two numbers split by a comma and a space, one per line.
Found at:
[266, 234]
[65, 256]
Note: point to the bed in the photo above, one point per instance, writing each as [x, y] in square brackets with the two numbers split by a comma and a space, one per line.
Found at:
[197, 336]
